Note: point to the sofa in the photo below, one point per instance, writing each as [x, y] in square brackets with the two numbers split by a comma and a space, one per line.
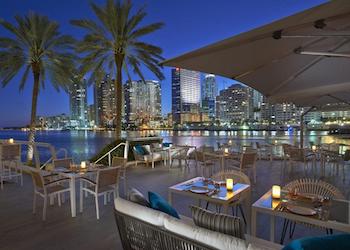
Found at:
[141, 227]
[145, 154]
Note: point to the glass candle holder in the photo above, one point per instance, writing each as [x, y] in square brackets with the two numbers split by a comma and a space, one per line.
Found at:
[229, 184]
[276, 192]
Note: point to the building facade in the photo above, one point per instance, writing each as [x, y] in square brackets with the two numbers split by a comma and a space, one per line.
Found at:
[56, 122]
[209, 93]
[185, 96]
[78, 104]
[143, 103]
[234, 104]
[105, 102]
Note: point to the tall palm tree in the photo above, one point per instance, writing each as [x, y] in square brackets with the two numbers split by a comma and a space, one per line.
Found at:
[113, 43]
[35, 45]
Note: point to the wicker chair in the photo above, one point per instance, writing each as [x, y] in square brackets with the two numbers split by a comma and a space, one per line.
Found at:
[310, 187]
[299, 155]
[247, 160]
[10, 156]
[264, 151]
[238, 177]
[205, 160]
[106, 182]
[46, 189]
[181, 154]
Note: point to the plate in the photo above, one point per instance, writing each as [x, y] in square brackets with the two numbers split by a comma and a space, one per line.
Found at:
[199, 190]
[301, 210]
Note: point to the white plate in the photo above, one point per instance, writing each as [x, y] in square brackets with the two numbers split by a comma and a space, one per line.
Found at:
[301, 210]
[199, 190]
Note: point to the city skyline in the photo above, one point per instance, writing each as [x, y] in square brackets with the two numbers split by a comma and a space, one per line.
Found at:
[51, 103]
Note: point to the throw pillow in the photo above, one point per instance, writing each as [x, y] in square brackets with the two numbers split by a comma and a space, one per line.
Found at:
[136, 196]
[339, 242]
[158, 203]
[222, 223]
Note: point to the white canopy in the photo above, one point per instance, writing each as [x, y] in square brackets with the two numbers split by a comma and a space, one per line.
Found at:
[303, 58]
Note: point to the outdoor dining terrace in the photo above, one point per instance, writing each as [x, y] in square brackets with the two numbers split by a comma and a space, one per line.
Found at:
[274, 166]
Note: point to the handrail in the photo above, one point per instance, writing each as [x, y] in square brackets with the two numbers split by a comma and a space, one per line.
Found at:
[54, 156]
[109, 153]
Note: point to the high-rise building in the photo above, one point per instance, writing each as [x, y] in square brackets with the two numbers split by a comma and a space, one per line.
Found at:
[78, 103]
[143, 103]
[185, 96]
[92, 115]
[280, 113]
[234, 104]
[105, 102]
[209, 93]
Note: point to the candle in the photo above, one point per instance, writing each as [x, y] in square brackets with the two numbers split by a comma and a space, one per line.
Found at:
[230, 142]
[226, 150]
[313, 147]
[83, 164]
[229, 184]
[275, 141]
[276, 192]
[11, 140]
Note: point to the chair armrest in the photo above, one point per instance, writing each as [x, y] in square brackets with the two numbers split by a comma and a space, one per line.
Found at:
[50, 175]
[56, 181]
[88, 180]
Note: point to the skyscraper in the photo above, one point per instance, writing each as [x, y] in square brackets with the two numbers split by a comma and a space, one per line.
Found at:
[143, 103]
[185, 95]
[78, 103]
[105, 102]
[234, 104]
[209, 93]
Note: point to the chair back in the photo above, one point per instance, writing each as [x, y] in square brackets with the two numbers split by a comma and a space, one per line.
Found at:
[347, 155]
[10, 152]
[118, 161]
[237, 176]
[62, 163]
[314, 187]
[248, 159]
[296, 154]
[107, 177]
[286, 147]
[334, 147]
[38, 179]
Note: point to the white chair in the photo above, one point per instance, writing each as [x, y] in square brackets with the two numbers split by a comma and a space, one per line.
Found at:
[46, 189]
[121, 162]
[10, 157]
[106, 183]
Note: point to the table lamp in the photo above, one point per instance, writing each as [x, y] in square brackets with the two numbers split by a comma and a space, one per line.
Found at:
[11, 140]
[276, 192]
[229, 184]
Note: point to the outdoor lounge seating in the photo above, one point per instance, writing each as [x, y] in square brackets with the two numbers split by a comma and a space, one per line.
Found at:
[144, 154]
[141, 227]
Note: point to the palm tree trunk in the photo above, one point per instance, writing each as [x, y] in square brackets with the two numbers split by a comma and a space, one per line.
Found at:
[35, 94]
[119, 96]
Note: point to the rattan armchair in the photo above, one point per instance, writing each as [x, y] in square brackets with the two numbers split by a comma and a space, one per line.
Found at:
[106, 182]
[309, 187]
[247, 161]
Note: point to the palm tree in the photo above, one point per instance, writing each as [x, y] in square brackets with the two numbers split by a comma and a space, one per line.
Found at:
[113, 43]
[35, 45]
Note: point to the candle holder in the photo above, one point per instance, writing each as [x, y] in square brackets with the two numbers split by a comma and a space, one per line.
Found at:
[229, 184]
[83, 165]
[276, 192]
[226, 150]
[11, 141]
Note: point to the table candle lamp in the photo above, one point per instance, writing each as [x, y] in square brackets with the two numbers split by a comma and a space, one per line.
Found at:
[275, 142]
[313, 147]
[11, 140]
[276, 192]
[83, 164]
[230, 142]
[229, 184]
[226, 150]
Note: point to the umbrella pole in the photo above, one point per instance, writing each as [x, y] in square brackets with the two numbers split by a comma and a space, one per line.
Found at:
[301, 144]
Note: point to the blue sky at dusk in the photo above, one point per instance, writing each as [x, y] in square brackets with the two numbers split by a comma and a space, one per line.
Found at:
[189, 24]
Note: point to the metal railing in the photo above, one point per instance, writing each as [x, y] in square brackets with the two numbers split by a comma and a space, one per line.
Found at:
[108, 154]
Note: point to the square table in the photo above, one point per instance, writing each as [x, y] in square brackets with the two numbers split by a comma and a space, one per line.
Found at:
[338, 219]
[223, 197]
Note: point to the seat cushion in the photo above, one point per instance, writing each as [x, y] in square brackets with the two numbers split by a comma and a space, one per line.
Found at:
[210, 238]
[137, 211]
[136, 196]
[153, 157]
[218, 222]
[157, 202]
[339, 242]
[140, 150]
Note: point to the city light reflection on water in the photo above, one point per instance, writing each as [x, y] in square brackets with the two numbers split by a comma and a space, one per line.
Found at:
[82, 145]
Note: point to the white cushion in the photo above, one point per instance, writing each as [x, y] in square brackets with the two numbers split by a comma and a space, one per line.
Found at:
[137, 211]
[261, 244]
[207, 237]
[154, 157]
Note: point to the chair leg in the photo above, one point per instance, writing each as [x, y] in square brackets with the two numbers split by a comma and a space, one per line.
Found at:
[284, 230]
[59, 199]
[105, 199]
[242, 213]
[97, 208]
[292, 229]
[45, 207]
[81, 197]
